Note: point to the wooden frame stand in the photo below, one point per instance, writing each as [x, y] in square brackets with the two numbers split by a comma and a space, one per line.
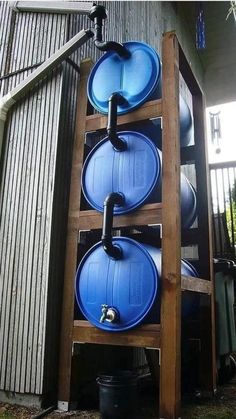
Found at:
[167, 334]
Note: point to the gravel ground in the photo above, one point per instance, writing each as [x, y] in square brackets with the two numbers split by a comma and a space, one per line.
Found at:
[223, 406]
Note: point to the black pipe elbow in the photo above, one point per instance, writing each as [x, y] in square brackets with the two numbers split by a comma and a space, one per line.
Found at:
[113, 46]
[114, 198]
[117, 142]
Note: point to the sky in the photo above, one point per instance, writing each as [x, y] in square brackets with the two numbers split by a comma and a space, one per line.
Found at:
[222, 181]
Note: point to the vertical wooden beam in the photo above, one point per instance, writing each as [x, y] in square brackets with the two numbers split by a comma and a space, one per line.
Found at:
[207, 332]
[72, 243]
[208, 350]
[170, 369]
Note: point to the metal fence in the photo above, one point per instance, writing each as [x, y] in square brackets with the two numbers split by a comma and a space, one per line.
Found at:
[223, 190]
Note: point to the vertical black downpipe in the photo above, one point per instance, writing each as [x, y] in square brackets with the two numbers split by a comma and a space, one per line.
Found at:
[118, 143]
[97, 14]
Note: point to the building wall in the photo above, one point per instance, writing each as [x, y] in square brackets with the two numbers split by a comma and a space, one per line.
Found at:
[218, 58]
[35, 174]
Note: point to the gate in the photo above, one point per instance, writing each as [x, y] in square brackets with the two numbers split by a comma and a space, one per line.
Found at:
[223, 191]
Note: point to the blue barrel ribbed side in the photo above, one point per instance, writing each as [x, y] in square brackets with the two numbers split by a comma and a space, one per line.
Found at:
[135, 172]
[130, 285]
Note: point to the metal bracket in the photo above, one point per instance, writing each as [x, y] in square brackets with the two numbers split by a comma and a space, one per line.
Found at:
[63, 406]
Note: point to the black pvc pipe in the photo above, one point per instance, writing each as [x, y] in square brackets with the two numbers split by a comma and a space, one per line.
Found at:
[117, 142]
[44, 412]
[113, 46]
[111, 200]
[97, 14]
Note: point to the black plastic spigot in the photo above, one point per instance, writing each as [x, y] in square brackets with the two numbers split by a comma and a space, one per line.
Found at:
[98, 14]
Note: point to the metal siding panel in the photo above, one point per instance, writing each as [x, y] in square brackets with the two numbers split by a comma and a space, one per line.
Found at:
[20, 250]
[36, 36]
[8, 226]
[25, 252]
[28, 172]
[27, 197]
[39, 138]
[50, 162]
[59, 218]
[6, 28]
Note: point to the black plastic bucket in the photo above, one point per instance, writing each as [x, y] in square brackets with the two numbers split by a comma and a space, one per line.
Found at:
[118, 395]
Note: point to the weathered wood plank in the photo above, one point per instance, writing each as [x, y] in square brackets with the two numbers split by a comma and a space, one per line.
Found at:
[143, 336]
[170, 388]
[72, 241]
[189, 283]
[88, 220]
[149, 110]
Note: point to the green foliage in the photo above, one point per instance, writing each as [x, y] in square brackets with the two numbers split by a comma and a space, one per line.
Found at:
[231, 221]
[231, 215]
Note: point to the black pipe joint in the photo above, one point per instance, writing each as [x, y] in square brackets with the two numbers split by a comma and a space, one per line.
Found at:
[118, 143]
[97, 14]
[114, 198]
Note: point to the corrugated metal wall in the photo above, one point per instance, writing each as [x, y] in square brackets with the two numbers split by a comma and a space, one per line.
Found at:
[25, 230]
[38, 140]
[35, 180]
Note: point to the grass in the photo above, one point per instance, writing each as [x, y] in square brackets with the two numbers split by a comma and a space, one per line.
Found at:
[209, 412]
[7, 415]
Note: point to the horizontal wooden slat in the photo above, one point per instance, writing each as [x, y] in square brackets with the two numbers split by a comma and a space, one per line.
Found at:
[152, 109]
[189, 283]
[89, 220]
[143, 336]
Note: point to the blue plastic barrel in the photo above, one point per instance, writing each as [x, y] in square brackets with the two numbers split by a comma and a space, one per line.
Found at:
[129, 286]
[137, 79]
[135, 172]
[153, 130]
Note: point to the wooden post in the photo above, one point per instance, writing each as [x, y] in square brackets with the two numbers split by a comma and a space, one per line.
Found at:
[170, 368]
[207, 332]
[72, 242]
[208, 349]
